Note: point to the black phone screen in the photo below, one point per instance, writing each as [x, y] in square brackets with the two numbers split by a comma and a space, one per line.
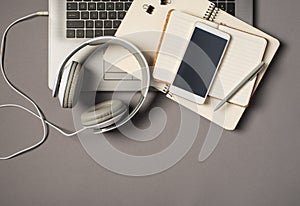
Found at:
[200, 62]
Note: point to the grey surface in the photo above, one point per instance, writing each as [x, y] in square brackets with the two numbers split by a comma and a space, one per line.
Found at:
[258, 164]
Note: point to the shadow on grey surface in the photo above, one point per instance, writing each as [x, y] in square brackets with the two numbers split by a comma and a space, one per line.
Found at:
[255, 9]
[141, 119]
[258, 98]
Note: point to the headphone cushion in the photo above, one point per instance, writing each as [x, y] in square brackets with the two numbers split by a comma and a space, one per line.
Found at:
[68, 85]
[73, 87]
[103, 112]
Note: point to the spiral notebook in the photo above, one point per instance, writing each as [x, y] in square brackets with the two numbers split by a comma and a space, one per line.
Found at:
[145, 31]
[245, 51]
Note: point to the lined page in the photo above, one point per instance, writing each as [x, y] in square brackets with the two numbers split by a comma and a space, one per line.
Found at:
[243, 54]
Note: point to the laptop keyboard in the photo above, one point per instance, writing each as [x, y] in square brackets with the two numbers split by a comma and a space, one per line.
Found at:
[94, 18]
[228, 6]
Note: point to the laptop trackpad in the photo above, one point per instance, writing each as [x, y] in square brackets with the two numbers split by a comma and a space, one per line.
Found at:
[104, 76]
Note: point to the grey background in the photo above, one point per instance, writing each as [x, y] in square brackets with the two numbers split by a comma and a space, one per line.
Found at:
[258, 164]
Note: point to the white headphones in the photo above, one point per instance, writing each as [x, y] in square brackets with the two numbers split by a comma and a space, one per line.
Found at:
[108, 115]
[104, 116]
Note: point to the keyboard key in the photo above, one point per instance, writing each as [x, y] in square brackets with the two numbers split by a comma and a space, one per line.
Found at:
[82, 6]
[231, 8]
[85, 15]
[101, 6]
[222, 6]
[75, 24]
[98, 33]
[72, 6]
[121, 14]
[110, 32]
[107, 24]
[70, 33]
[80, 33]
[89, 33]
[112, 15]
[127, 5]
[119, 6]
[94, 15]
[92, 6]
[73, 15]
[102, 15]
[110, 6]
[99, 24]
[116, 24]
[89, 24]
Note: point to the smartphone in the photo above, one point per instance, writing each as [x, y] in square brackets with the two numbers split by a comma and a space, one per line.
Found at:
[200, 63]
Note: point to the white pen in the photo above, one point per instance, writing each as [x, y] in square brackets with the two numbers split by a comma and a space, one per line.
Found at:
[248, 78]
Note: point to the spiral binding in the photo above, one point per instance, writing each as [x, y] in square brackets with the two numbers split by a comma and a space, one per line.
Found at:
[209, 11]
[214, 14]
[166, 89]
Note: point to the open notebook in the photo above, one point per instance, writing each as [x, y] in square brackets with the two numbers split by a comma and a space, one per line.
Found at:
[245, 51]
[145, 31]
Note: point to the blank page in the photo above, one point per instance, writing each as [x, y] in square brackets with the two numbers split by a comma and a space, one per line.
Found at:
[244, 53]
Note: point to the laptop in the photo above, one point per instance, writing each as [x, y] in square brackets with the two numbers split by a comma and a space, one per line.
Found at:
[72, 22]
[242, 9]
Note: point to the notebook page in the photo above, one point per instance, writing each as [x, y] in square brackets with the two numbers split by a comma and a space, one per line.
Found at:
[244, 53]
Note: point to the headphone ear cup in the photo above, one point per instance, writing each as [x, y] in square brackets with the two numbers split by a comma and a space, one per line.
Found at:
[70, 85]
[104, 114]
[65, 85]
[75, 86]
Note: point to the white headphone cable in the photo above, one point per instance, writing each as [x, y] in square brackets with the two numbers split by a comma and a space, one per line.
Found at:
[40, 114]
